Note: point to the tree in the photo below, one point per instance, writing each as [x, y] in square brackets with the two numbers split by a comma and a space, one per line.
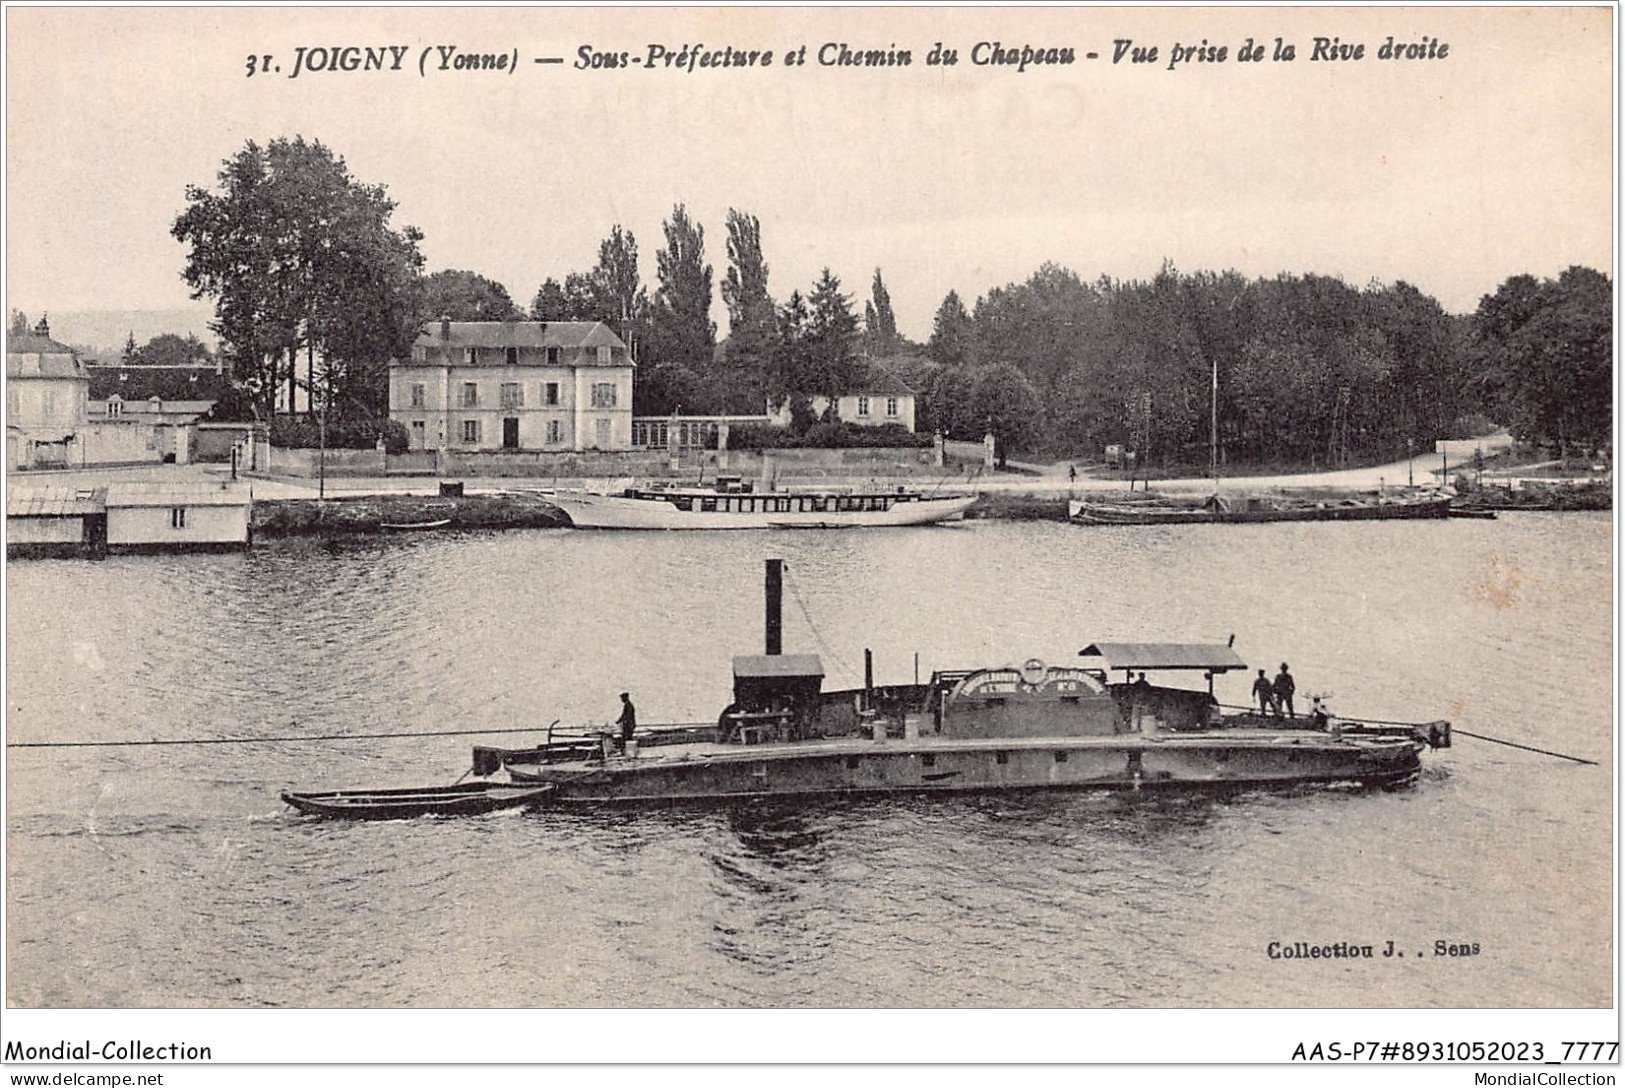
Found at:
[791, 375]
[751, 316]
[551, 303]
[611, 293]
[951, 333]
[831, 339]
[681, 330]
[879, 323]
[19, 323]
[1548, 351]
[1011, 407]
[298, 255]
[465, 296]
[167, 349]
[617, 284]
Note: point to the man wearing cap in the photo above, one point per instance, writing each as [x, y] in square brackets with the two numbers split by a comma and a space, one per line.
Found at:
[628, 721]
[1285, 687]
[1266, 694]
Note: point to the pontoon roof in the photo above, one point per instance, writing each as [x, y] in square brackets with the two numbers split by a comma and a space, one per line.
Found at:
[778, 665]
[1165, 655]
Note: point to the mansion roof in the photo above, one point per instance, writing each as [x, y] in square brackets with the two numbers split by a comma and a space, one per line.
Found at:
[520, 334]
[31, 355]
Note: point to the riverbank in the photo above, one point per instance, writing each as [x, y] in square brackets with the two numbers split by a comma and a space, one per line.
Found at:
[385, 513]
[1554, 496]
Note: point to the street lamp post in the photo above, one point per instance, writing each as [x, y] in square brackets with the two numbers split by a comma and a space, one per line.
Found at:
[321, 454]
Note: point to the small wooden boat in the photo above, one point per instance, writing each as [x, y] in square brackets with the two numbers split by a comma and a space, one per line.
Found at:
[1472, 512]
[465, 799]
[409, 526]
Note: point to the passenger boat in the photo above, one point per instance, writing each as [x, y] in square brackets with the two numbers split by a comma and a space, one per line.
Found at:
[464, 799]
[1222, 510]
[731, 504]
[1032, 726]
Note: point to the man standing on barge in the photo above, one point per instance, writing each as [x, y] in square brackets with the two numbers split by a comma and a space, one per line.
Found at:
[1285, 688]
[628, 721]
[1266, 694]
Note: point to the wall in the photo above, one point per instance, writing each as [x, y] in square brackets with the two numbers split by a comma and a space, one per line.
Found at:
[66, 530]
[150, 526]
[213, 441]
[120, 443]
[313, 463]
[590, 463]
[767, 465]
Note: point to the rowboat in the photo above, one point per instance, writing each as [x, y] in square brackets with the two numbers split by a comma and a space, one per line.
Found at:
[409, 526]
[464, 799]
[732, 505]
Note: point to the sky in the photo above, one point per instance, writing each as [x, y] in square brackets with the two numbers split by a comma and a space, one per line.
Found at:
[1451, 173]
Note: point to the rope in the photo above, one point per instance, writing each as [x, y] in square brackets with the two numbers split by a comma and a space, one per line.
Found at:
[814, 627]
[1524, 747]
[322, 737]
[1455, 732]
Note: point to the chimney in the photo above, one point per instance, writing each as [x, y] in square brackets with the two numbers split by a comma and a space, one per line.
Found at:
[44, 326]
[775, 600]
[445, 328]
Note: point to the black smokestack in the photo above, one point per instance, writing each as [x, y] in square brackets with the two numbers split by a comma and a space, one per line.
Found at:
[775, 602]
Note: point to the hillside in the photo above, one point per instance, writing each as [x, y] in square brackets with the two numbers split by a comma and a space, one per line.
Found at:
[101, 333]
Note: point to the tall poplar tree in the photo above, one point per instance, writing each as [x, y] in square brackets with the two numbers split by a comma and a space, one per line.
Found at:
[751, 316]
[681, 331]
[880, 324]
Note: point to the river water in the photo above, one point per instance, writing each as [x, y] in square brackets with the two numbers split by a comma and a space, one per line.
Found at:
[172, 876]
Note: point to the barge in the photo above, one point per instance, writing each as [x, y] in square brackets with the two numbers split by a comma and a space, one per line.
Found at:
[1221, 510]
[1035, 725]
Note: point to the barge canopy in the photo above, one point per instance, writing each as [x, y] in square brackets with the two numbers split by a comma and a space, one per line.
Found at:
[1206, 657]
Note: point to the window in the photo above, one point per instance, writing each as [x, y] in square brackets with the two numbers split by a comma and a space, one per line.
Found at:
[471, 394]
[1002, 757]
[177, 517]
[512, 356]
[419, 434]
[552, 356]
[604, 356]
[472, 355]
[603, 395]
[550, 393]
[420, 393]
[555, 432]
[115, 407]
[471, 432]
[891, 407]
[863, 406]
[601, 427]
[512, 394]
